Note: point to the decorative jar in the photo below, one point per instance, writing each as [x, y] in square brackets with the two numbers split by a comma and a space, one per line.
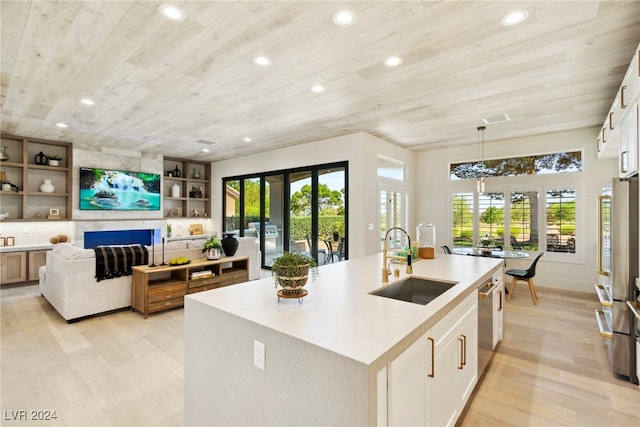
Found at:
[426, 235]
[47, 186]
[229, 244]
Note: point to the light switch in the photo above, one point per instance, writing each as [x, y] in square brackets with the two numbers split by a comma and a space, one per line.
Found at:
[370, 227]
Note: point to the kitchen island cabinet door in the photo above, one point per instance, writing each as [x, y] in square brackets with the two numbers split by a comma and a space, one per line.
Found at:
[407, 388]
[443, 405]
[468, 374]
[456, 362]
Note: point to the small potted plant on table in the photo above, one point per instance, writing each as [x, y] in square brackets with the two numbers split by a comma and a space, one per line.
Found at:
[486, 242]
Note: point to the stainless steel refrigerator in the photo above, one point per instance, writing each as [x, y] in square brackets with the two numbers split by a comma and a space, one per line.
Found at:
[618, 238]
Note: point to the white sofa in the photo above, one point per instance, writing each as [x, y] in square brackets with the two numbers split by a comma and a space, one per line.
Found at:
[68, 280]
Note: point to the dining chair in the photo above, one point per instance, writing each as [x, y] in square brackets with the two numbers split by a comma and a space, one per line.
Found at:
[320, 251]
[330, 253]
[446, 249]
[341, 249]
[515, 245]
[525, 276]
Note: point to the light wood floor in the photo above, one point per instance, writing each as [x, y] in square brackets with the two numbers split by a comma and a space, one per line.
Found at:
[122, 370]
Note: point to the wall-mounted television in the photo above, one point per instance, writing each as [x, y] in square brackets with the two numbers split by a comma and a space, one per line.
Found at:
[108, 189]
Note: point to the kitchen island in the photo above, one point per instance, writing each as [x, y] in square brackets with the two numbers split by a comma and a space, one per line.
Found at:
[322, 358]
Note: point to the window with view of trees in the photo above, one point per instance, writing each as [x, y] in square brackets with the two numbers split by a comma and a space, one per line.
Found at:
[462, 219]
[523, 227]
[530, 220]
[297, 210]
[514, 166]
[561, 220]
[512, 219]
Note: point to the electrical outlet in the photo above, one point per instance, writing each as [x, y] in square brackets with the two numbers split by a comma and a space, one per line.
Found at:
[258, 354]
[26, 230]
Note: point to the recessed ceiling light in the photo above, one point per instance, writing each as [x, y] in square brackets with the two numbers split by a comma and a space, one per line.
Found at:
[344, 17]
[514, 18]
[87, 101]
[318, 88]
[262, 61]
[246, 139]
[205, 150]
[172, 12]
[62, 125]
[393, 61]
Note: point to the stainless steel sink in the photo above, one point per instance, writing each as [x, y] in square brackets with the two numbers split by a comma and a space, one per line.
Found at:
[414, 289]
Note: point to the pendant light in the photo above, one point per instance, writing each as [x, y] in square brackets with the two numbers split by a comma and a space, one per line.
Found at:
[480, 176]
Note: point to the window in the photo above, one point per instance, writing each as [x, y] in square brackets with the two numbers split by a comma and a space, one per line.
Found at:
[523, 224]
[463, 218]
[540, 164]
[532, 220]
[561, 220]
[389, 168]
[491, 217]
[393, 213]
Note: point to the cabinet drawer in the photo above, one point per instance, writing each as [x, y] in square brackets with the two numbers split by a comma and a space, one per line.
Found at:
[164, 293]
[211, 282]
[164, 305]
[233, 278]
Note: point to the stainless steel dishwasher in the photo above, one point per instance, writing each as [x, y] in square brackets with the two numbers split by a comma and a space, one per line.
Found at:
[485, 324]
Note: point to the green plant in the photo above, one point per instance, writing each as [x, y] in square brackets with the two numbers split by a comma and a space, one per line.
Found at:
[212, 243]
[289, 263]
[486, 240]
[168, 228]
[54, 157]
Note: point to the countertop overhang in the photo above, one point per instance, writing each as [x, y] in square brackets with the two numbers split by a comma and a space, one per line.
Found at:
[340, 315]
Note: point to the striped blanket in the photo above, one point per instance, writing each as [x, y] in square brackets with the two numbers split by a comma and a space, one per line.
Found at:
[116, 261]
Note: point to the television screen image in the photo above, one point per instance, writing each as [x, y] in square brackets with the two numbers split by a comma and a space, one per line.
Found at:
[104, 189]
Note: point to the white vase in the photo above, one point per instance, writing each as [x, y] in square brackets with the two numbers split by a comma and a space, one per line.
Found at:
[47, 186]
[54, 162]
[213, 253]
[175, 190]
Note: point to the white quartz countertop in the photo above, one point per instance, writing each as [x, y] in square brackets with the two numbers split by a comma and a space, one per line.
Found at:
[339, 315]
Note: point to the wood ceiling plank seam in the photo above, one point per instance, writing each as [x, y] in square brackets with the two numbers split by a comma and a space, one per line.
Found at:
[132, 29]
[13, 18]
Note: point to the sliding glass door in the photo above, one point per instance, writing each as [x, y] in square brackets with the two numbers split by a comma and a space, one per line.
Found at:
[298, 210]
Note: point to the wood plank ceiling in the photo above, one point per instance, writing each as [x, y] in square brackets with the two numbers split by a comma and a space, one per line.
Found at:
[162, 86]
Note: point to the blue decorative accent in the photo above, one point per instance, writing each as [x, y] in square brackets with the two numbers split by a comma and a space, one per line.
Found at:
[93, 239]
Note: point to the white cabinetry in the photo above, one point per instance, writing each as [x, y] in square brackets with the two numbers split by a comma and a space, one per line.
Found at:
[629, 143]
[431, 381]
[498, 308]
[618, 136]
[407, 388]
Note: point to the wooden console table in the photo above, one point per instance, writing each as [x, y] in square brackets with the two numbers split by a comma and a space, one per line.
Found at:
[164, 286]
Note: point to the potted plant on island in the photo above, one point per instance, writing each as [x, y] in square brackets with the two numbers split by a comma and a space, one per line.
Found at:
[54, 159]
[212, 247]
[291, 271]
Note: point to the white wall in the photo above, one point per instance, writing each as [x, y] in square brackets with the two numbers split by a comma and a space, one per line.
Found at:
[360, 150]
[433, 196]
